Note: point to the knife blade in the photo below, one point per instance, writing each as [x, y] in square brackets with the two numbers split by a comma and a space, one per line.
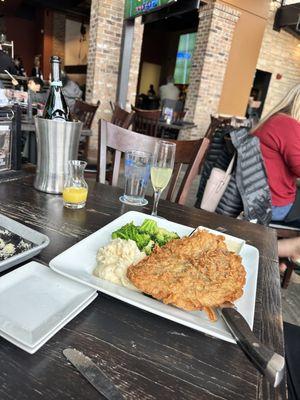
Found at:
[93, 374]
[269, 363]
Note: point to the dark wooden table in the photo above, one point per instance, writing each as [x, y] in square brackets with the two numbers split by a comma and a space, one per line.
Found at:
[146, 356]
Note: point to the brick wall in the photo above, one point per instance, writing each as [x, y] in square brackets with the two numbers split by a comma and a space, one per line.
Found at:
[106, 26]
[59, 30]
[216, 27]
[279, 54]
[135, 61]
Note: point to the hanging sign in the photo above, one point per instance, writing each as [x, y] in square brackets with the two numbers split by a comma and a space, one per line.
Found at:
[134, 8]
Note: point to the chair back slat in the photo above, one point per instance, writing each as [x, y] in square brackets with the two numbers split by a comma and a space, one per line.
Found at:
[145, 126]
[121, 140]
[116, 170]
[148, 114]
[192, 171]
[191, 153]
[85, 112]
[146, 121]
[121, 117]
[174, 180]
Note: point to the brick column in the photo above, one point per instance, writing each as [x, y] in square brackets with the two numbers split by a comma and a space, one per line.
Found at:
[215, 32]
[135, 61]
[106, 25]
[59, 31]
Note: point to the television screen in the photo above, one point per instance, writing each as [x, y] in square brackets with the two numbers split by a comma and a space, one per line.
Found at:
[134, 8]
[184, 58]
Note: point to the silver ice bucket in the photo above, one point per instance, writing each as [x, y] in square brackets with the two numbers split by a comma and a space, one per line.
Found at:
[57, 143]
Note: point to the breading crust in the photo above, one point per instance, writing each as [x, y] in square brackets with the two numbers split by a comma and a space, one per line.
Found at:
[193, 273]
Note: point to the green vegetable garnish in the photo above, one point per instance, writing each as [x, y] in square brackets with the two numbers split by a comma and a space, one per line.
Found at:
[146, 236]
[149, 226]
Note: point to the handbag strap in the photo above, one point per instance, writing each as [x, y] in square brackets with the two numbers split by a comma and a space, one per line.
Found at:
[230, 167]
[227, 173]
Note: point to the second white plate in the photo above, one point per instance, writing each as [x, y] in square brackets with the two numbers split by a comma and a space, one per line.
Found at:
[35, 302]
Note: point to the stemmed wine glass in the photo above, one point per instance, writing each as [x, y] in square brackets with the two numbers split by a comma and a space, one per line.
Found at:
[162, 168]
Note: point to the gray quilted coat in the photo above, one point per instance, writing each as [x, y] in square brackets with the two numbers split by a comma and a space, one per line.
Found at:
[248, 189]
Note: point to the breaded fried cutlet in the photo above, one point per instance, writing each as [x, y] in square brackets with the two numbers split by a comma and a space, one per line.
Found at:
[193, 273]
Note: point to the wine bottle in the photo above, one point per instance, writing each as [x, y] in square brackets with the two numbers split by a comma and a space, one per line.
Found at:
[56, 107]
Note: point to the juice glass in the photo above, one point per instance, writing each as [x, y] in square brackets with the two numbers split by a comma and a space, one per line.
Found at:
[75, 188]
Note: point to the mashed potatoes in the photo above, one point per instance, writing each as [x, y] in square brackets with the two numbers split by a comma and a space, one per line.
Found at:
[114, 259]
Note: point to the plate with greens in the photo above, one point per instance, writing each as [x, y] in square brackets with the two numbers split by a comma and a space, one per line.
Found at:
[124, 241]
[135, 234]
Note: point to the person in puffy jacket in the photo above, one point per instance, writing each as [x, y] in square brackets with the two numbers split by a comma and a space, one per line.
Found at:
[279, 136]
[247, 192]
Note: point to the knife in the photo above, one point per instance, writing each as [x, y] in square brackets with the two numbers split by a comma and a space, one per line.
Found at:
[269, 363]
[93, 374]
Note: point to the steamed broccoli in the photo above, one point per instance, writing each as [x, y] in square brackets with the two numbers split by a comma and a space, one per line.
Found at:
[148, 249]
[132, 232]
[128, 231]
[142, 240]
[146, 235]
[164, 236]
[149, 226]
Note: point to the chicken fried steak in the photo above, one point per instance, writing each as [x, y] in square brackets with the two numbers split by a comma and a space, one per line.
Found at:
[193, 273]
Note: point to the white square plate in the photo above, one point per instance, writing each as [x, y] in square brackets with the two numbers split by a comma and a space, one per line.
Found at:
[79, 261]
[35, 303]
[50, 334]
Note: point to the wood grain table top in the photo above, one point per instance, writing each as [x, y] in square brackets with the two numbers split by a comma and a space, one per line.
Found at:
[147, 357]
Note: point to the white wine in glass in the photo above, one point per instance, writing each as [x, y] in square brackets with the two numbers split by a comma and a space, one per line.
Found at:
[162, 168]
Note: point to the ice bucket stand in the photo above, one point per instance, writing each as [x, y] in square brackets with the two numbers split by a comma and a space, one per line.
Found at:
[57, 143]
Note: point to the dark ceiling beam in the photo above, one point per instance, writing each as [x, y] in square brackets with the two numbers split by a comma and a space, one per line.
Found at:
[292, 31]
[65, 4]
[178, 8]
[286, 16]
[69, 7]
[9, 7]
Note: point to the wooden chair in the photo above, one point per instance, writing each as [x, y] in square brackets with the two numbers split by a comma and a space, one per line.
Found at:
[191, 153]
[85, 112]
[286, 232]
[151, 114]
[215, 123]
[146, 122]
[121, 117]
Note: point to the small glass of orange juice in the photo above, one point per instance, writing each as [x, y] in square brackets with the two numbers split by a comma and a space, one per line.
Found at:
[75, 189]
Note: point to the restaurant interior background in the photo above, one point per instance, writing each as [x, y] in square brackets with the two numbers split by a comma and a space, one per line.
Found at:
[220, 52]
[48, 27]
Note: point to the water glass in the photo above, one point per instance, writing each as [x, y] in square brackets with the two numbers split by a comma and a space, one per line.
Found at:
[137, 173]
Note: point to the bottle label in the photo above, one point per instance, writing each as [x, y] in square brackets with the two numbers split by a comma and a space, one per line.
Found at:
[56, 83]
